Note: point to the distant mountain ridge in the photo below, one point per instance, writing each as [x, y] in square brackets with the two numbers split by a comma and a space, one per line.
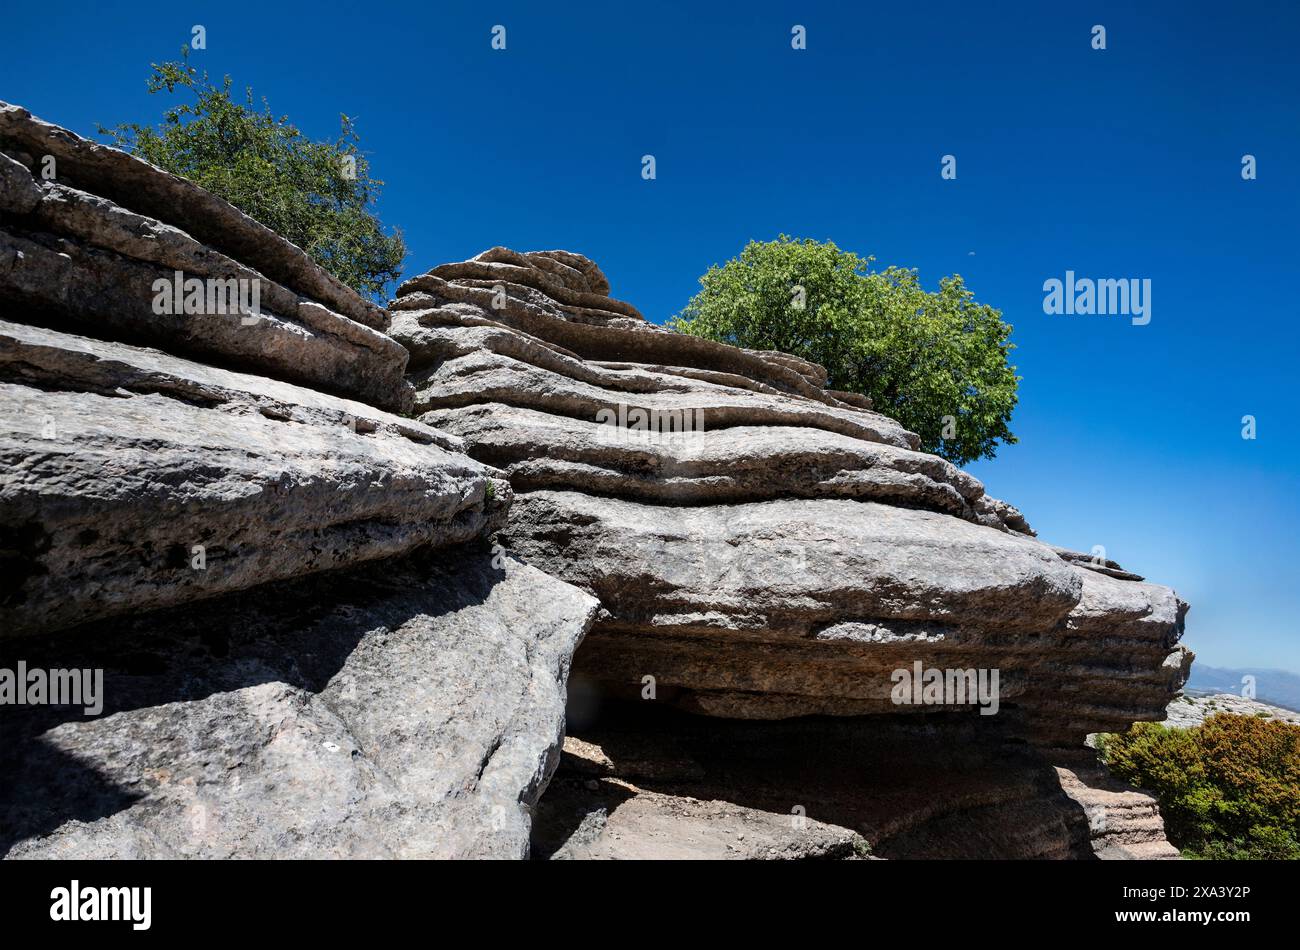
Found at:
[1279, 687]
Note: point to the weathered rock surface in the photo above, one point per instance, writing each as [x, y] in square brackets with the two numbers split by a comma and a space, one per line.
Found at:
[86, 251]
[762, 546]
[413, 711]
[1124, 823]
[119, 461]
[793, 607]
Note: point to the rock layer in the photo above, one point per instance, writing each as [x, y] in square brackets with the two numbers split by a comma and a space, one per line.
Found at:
[112, 246]
[764, 546]
[134, 480]
[641, 781]
[134, 183]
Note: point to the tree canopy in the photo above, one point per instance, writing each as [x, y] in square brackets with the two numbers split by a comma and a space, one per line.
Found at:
[316, 194]
[937, 361]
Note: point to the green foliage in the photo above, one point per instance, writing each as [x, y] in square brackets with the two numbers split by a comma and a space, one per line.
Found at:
[315, 194]
[1229, 788]
[920, 355]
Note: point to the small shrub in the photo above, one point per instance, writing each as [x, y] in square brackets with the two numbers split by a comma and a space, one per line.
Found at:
[1229, 788]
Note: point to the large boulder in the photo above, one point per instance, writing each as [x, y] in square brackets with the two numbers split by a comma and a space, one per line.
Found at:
[763, 546]
[411, 711]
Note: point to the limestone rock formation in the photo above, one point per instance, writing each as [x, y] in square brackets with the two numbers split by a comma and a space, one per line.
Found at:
[763, 547]
[408, 711]
[310, 649]
[214, 490]
[767, 548]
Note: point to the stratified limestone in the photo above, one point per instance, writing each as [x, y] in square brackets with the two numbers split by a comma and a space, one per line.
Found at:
[136, 184]
[90, 250]
[414, 711]
[133, 480]
[795, 607]
[764, 547]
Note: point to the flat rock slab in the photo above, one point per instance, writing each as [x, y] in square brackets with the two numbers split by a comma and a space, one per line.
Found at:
[797, 607]
[791, 566]
[411, 711]
[122, 465]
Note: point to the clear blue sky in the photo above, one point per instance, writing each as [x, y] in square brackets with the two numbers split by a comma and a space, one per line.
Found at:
[1122, 163]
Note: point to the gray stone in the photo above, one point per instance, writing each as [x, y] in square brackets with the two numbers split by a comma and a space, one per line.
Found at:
[396, 712]
[785, 557]
[49, 279]
[743, 463]
[119, 460]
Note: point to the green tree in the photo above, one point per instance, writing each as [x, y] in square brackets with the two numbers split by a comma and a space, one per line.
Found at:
[936, 361]
[316, 194]
[1228, 788]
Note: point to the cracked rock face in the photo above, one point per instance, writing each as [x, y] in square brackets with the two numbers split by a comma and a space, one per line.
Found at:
[763, 546]
[396, 712]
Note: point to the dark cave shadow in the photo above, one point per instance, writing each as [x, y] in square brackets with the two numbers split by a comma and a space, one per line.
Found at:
[298, 632]
[932, 786]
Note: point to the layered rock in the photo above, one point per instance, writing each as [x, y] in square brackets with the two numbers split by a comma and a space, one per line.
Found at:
[134, 479]
[224, 508]
[98, 241]
[641, 781]
[230, 510]
[763, 547]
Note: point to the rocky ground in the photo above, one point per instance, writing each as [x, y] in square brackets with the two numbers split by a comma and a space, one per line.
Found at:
[1186, 710]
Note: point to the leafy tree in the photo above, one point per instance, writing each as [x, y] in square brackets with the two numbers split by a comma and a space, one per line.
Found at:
[1229, 788]
[920, 355]
[315, 194]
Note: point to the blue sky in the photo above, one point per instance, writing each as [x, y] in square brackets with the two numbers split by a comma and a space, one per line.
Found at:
[1117, 163]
